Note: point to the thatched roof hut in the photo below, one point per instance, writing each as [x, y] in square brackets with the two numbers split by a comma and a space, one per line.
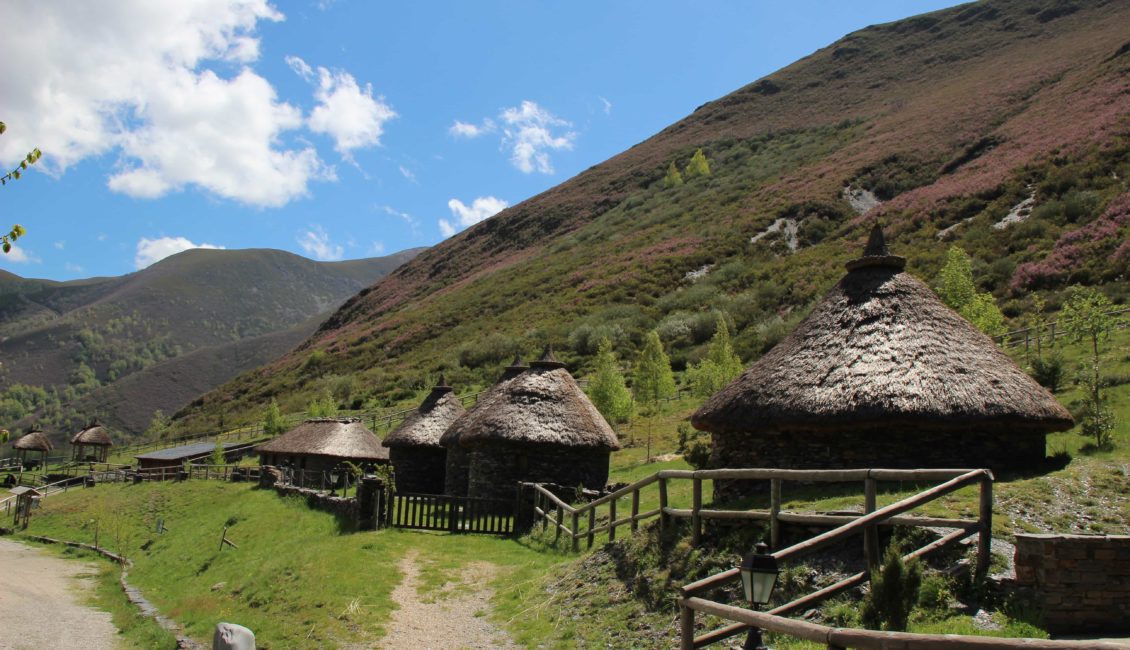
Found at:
[539, 426]
[414, 446]
[319, 444]
[91, 444]
[33, 441]
[457, 463]
[882, 373]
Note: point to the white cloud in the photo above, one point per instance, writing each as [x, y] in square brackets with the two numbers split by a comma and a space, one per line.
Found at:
[73, 268]
[393, 212]
[481, 208]
[139, 79]
[20, 255]
[316, 242]
[407, 173]
[346, 112]
[607, 105]
[529, 133]
[378, 248]
[155, 250]
[461, 129]
[60, 245]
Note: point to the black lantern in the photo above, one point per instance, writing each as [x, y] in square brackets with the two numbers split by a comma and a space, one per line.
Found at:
[759, 575]
[335, 474]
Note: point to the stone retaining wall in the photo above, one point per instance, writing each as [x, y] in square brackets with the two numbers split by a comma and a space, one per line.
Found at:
[344, 508]
[1082, 582]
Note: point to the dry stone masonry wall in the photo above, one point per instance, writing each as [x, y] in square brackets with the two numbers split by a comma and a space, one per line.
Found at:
[1082, 582]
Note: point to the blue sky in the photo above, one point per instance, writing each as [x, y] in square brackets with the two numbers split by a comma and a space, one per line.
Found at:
[345, 129]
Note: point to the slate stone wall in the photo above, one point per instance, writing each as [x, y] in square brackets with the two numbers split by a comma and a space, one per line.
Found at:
[457, 467]
[1082, 582]
[497, 467]
[343, 508]
[419, 470]
[888, 449]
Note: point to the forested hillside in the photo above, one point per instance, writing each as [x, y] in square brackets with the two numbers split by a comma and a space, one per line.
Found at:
[1002, 127]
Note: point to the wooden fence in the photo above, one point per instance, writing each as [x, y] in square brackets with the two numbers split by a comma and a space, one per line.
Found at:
[691, 600]
[452, 514]
[1026, 337]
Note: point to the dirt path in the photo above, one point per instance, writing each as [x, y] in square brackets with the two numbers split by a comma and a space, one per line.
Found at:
[455, 617]
[40, 602]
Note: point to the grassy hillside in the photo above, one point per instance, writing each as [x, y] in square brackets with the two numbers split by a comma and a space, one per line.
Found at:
[952, 120]
[74, 350]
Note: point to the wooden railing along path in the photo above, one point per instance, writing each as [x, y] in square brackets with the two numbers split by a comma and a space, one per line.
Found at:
[1027, 337]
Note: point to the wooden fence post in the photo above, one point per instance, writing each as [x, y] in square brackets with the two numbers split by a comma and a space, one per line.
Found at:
[774, 513]
[870, 533]
[985, 533]
[696, 508]
[686, 627]
[557, 528]
[592, 524]
[635, 510]
[576, 529]
[662, 503]
[612, 520]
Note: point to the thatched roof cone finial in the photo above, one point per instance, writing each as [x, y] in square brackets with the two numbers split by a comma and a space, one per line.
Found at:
[518, 363]
[547, 360]
[876, 253]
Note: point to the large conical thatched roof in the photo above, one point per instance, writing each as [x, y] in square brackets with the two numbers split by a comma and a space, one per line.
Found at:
[882, 350]
[95, 434]
[450, 437]
[34, 441]
[543, 405]
[424, 427]
[337, 437]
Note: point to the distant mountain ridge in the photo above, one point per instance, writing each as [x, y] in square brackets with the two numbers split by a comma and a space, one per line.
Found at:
[121, 347]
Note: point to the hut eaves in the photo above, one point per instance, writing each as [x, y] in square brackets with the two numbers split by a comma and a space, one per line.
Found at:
[424, 426]
[93, 435]
[337, 437]
[34, 441]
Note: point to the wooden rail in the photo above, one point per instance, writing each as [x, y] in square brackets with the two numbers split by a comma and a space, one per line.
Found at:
[691, 602]
[1024, 335]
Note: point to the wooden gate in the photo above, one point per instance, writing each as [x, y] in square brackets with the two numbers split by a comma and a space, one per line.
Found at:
[453, 514]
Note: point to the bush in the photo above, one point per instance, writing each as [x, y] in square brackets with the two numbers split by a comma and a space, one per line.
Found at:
[894, 592]
[694, 445]
[1049, 371]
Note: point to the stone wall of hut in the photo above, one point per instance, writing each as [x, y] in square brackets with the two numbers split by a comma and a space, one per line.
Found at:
[419, 470]
[456, 470]
[897, 449]
[1081, 582]
[497, 467]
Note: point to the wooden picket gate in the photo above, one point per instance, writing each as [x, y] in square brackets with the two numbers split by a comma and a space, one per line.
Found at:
[452, 514]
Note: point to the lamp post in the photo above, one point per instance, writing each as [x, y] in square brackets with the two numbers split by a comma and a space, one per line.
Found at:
[759, 575]
[335, 474]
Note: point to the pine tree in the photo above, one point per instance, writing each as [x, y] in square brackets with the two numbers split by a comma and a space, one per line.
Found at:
[956, 289]
[698, 166]
[720, 366]
[673, 178]
[607, 389]
[653, 380]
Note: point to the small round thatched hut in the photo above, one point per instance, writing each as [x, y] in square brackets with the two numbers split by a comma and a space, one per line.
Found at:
[33, 441]
[91, 444]
[457, 463]
[540, 426]
[881, 374]
[414, 448]
[319, 444]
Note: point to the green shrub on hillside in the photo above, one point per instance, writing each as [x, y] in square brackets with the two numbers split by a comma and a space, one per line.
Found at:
[893, 594]
[607, 388]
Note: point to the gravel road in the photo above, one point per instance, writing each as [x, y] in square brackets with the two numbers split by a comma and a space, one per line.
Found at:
[41, 602]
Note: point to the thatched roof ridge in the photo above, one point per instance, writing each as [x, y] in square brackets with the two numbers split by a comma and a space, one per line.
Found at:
[543, 405]
[424, 427]
[882, 351]
[336, 437]
[33, 441]
[450, 436]
[94, 434]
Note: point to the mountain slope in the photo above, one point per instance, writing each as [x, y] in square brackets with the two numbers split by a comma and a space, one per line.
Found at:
[952, 118]
[234, 309]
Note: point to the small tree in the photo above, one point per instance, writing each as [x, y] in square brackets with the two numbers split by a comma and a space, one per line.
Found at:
[673, 178]
[720, 366]
[894, 591]
[322, 407]
[956, 289]
[607, 389]
[218, 453]
[273, 422]
[1086, 319]
[653, 380]
[158, 426]
[698, 166]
